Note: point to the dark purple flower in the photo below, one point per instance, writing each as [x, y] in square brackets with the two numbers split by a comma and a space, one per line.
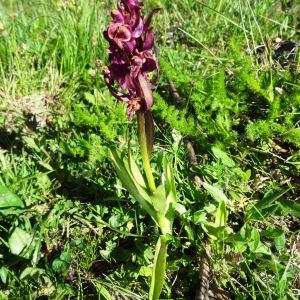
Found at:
[131, 57]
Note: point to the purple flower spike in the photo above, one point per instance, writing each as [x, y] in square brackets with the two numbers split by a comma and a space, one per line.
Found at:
[131, 57]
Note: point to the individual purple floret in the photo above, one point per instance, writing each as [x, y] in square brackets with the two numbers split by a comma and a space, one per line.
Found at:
[131, 57]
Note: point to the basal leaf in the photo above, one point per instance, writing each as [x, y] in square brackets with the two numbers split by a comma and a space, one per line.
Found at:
[131, 185]
[159, 267]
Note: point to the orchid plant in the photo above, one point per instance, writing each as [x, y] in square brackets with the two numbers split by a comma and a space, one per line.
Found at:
[131, 75]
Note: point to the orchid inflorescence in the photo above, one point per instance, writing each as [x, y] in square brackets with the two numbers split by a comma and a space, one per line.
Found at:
[131, 56]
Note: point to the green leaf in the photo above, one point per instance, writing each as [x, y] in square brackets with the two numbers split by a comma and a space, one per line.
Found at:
[90, 98]
[19, 241]
[159, 200]
[135, 171]
[290, 207]
[255, 245]
[216, 233]
[199, 217]
[9, 200]
[265, 207]
[240, 244]
[45, 165]
[280, 242]
[246, 176]
[30, 142]
[255, 237]
[4, 272]
[190, 232]
[62, 264]
[223, 156]
[31, 272]
[221, 215]
[164, 198]
[104, 292]
[131, 185]
[116, 221]
[66, 257]
[261, 248]
[159, 268]
[180, 208]
[145, 271]
[215, 192]
[170, 186]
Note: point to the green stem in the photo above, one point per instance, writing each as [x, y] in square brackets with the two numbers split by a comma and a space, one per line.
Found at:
[159, 268]
[144, 151]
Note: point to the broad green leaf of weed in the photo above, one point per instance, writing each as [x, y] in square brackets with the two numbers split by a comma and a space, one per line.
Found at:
[280, 242]
[199, 217]
[31, 272]
[216, 233]
[145, 271]
[290, 207]
[9, 200]
[190, 232]
[223, 156]
[273, 232]
[62, 264]
[215, 192]
[19, 241]
[255, 245]
[240, 244]
[116, 221]
[255, 237]
[180, 208]
[246, 176]
[265, 207]
[4, 273]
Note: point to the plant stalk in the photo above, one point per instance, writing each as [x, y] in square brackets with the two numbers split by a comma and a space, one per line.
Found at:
[144, 151]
